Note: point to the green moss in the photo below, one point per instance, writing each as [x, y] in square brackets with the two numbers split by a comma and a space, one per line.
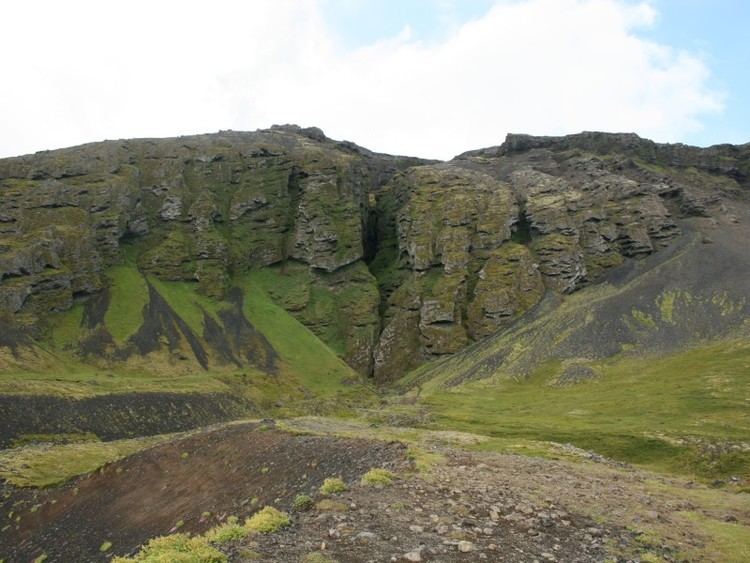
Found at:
[69, 438]
[423, 460]
[185, 300]
[666, 302]
[377, 477]
[267, 520]
[726, 305]
[171, 258]
[340, 307]
[128, 297]
[332, 485]
[227, 532]
[66, 327]
[729, 541]
[303, 502]
[316, 366]
[330, 505]
[644, 319]
[681, 413]
[651, 166]
[177, 548]
[45, 465]
[79, 381]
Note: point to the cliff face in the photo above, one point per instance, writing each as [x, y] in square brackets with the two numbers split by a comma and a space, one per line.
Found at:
[391, 261]
[196, 209]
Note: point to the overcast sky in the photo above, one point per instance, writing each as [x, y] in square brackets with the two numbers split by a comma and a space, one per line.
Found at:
[429, 78]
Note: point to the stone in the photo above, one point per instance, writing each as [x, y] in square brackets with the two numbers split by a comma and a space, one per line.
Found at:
[414, 556]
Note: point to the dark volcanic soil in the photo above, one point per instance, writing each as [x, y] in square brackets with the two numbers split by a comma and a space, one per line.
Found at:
[115, 416]
[468, 506]
[233, 470]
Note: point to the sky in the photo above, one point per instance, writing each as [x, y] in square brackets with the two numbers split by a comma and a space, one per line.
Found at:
[430, 78]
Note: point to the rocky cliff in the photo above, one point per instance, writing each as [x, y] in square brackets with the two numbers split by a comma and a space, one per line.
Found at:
[391, 261]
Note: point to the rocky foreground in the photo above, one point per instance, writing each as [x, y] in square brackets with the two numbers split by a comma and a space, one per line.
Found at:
[445, 501]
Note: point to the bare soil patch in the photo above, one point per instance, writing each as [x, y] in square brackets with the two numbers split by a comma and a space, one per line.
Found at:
[233, 470]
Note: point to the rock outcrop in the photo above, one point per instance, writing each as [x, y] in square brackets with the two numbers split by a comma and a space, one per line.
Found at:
[196, 209]
[392, 261]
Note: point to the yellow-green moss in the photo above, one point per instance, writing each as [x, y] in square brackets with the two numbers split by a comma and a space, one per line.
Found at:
[45, 465]
[377, 477]
[267, 520]
[332, 485]
[644, 319]
[128, 297]
[177, 548]
[303, 502]
[229, 531]
[330, 505]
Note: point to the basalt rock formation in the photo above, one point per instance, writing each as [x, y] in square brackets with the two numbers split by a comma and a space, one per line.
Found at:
[391, 261]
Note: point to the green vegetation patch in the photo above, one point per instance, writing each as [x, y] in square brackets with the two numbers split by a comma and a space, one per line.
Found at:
[46, 465]
[330, 505]
[184, 299]
[335, 306]
[69, 438]
[66, 327]
[377, 477]
[267, 520]
[128, 296]
[333, 485]
[729, 541]
[316, 365]
[303, 502]
[684, 413]
[231, 530]
[79, 381]
[176, 548]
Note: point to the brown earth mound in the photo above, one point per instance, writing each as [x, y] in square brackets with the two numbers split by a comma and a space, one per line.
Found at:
[230, 471]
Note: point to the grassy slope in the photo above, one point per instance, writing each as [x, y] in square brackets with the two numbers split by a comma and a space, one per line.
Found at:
[295, 287]
[128, 296]
[309, 368]
[681, 413]
[316, 365]
[47, 464]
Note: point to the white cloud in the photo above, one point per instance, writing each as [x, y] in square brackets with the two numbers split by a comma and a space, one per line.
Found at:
[79, 71]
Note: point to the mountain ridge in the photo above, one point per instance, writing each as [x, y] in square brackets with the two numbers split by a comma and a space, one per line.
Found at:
[392, 261]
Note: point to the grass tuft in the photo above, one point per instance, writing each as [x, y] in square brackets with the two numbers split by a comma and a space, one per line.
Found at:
[176, 548]
[303, 502]
[231, 530]
[267, 520]
[377, 477]
[332, 485]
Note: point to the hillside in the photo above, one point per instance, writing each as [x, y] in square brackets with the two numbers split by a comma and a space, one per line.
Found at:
[554, 309]
[391, 261]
